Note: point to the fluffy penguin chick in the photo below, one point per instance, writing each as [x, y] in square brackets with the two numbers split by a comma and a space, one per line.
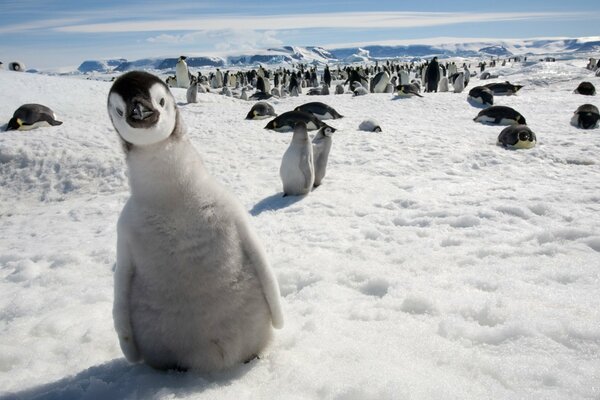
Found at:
[193, 288]
[321, 146]
[297, 170]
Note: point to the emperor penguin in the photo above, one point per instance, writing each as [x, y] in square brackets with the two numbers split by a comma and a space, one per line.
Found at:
[191, 94]
[297, 169]
[379, 82]
[31, 116]
[321, 146]
[459, 83]
[182, 74]
[443, 85]
[193, 287]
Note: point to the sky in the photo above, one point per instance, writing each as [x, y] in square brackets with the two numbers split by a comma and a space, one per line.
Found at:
[51, 34]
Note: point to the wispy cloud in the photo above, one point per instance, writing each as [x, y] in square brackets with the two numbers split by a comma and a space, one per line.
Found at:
[223, 39]
[356, 20]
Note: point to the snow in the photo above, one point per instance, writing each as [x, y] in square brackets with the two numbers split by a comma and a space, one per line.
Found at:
[430, 263]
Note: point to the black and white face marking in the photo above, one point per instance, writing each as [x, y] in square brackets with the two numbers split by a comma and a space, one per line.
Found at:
[141, 108]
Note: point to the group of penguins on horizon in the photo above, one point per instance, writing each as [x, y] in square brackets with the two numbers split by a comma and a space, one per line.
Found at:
[434, 76]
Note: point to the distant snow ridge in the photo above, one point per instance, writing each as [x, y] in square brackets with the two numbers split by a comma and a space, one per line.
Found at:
[320, 56]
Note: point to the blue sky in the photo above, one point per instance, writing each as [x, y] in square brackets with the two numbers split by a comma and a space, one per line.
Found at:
[49, 34]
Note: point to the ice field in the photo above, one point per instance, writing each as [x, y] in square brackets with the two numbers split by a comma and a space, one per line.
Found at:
[430, 264]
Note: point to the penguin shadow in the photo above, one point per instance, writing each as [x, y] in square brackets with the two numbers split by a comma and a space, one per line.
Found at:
[118, 379]
[401, 98]
[477, 104]
[274, 202]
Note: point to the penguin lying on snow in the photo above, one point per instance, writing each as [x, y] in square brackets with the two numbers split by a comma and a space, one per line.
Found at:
[320, 110]
[369, 125]
[504, 88]
[500, 115]
[288, 120]
[193, 288]
[586, 116]
[517, 137]
[261, 110]
[586, 88]
[31, 116]
[481, 94]
[408, 90]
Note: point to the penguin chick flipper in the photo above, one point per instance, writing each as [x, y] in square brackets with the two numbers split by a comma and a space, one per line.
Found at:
[124, 273]
[254, 252]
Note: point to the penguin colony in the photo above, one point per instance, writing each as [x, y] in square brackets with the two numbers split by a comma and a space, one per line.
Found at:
[217, 325]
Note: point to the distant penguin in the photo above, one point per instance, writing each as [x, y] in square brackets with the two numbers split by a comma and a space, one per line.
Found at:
[324, 89]
[219, 79]
[321, 147]
[379, 82]
[327, 76]
[191, 94]
[171, 81]
[459, 83]
[517, 137]
[369, 125]
[503, 88]
[16, 66]
[500, 115]
[586, 88]
[443, 85]
[339, 89]
[297, 169]
[226, 91]
[287, 121]
[408, 90]
[482, 95]
[244, 95]
[586, 117]
[31, 116]
[261, 110]
[294, 92]
[260, 96]
[182, 73]
[192, 285]
[432, 74]
[467, 74]
[260, 85]
[320, 110]
[404, 77]
[358, 89]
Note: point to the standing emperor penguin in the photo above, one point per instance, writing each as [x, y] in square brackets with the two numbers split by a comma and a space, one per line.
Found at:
[182, 73]
[459, 83]
[321, 146]
[191, 95]
[193, 287]
[443, 85]
[297, 169]
[432, 74]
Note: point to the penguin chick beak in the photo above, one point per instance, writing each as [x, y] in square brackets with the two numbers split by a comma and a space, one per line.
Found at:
[141, 112]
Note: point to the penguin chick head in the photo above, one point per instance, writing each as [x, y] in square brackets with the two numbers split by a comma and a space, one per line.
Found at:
[141, 108]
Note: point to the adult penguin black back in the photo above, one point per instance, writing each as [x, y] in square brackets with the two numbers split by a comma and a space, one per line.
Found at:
[327, 76]
[586, 89]
[30, 116]
[586, 116]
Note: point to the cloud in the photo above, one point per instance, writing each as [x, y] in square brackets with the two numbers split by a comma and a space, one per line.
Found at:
[356, 20]
[223, 39]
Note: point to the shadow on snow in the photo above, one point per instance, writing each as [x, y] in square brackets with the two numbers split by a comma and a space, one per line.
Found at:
[118, 379]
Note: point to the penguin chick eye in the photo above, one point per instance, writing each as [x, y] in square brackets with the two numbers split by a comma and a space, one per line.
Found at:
[162, 102]
[119, 111]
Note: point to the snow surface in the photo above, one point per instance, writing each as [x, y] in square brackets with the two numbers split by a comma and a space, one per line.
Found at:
[430, 264]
